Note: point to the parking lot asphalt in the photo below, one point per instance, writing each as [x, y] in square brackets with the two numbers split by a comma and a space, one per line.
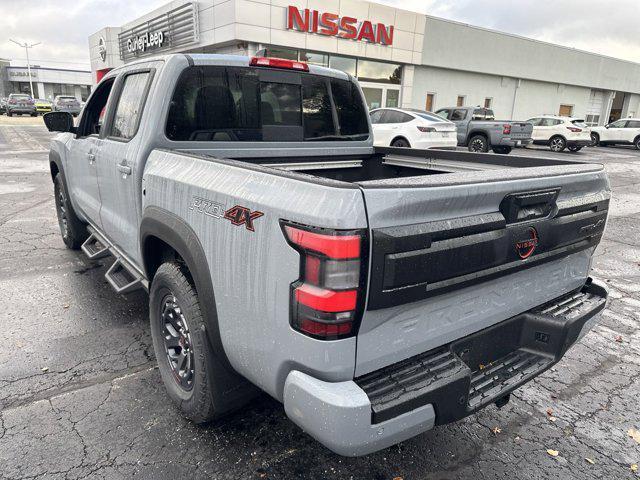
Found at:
[80, 396]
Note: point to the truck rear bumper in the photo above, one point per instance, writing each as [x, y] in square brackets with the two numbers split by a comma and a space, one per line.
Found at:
[443, 385]
[514, 142]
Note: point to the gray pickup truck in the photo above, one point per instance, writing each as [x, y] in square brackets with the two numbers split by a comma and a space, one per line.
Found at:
[479, 131]
[376, 293]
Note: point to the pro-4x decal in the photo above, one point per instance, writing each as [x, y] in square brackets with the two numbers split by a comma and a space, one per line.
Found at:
[239, 215]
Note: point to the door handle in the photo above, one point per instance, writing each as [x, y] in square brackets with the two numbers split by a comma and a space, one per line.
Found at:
[124, 169]
[91, 157]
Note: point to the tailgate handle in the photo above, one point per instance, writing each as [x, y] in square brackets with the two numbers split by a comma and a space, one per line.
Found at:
[520, 207]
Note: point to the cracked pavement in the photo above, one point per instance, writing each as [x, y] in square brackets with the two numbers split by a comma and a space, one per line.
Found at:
[80, 396]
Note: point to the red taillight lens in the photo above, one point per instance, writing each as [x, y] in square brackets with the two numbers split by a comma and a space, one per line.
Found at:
[12, 101]
[574, 129]
[506, 129]
[279, 63]
[327, 299]
[426, 129]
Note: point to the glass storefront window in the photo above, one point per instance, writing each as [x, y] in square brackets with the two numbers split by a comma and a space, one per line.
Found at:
[393, 97]
[373, 97]
[279, 52]
[370, 71]
[313, 58]
[345, 64]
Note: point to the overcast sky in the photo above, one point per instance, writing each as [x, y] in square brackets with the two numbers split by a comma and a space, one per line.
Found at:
[63, 26]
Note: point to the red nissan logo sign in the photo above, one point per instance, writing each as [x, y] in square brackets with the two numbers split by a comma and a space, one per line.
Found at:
[527, 246]
[333, 25]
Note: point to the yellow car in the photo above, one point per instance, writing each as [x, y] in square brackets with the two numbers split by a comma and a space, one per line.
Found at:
[43, 106]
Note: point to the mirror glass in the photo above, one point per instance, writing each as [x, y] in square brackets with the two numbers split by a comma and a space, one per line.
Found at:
[58, 121]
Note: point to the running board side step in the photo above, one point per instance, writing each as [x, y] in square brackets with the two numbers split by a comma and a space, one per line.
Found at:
[122, 276]
[94, 248]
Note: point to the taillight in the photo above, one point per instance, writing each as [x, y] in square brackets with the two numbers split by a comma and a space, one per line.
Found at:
[574, 129]
[278, 63]
[506, 129]
[12, 101]
[328, 297]
[426, 129]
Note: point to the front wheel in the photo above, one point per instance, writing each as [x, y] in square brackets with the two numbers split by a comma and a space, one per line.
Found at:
[636, 143]
[595, 139]
[73, 231]
[557, 144]
[502, 150]
[180, 342]
[9, 114]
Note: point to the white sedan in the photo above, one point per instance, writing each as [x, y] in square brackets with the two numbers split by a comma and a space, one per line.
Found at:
[623, 132]
[411, 128]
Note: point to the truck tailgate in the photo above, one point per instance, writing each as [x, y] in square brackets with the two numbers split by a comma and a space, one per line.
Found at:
[521, 129]
[456, 253]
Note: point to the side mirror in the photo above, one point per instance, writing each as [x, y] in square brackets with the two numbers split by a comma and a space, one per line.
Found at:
[59, 122]
[608, 125]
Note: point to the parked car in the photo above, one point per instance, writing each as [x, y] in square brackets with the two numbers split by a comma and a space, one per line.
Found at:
[411, 128]
[20, 104]
[3, 105]
[43, 106]
[620, 132]
[480, 132]
[376, 292]
[560, 132]
[66, 103]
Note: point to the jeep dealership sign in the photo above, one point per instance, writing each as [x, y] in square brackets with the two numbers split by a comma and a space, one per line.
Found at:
[175, 28]
[333, 25]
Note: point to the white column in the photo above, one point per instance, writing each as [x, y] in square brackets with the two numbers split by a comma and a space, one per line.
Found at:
[40, 90]
[77, 92]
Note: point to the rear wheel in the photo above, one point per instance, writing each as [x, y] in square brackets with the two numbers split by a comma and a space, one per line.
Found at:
[34, 114]
[9, 114]
[502, 150]
[73, 231]
[478, 144]
[182, 349]
[401, 143]
[557, 144]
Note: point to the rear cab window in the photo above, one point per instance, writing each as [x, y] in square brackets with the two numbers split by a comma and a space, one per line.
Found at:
[238, 104]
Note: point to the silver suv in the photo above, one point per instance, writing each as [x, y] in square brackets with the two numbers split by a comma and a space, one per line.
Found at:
[20, 104]
[67, 103]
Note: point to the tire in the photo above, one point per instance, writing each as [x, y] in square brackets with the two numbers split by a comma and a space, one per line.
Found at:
[636, 143]
[557, 144]
[502, 150]
[73, 230]
[574, 149]
[34, 114]
[400, 143]
[478, 144]
[9, 114]
[189, 381]
[595, 139]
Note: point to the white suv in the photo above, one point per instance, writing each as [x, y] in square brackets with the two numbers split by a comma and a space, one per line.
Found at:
[560, 132]
[412, 128]
[624, 132]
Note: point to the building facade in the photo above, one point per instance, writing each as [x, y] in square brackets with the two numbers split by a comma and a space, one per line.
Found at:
[400, 58]
[46, 82]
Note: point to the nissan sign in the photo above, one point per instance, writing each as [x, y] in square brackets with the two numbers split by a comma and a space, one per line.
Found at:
[330, 24]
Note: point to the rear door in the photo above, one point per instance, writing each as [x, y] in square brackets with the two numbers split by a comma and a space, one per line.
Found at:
[116, 159]
[451, 254]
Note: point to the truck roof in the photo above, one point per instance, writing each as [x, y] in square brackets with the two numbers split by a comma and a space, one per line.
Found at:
[227, 60]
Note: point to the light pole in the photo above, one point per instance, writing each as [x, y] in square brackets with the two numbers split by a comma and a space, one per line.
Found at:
[26, 47]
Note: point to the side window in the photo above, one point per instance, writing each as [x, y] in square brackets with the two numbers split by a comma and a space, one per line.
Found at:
[376, 116]
[534, 121]
[404, 117]
[391, 116]
[546, 122]
[633, 124]
[94, 111]
[444, 113]
[458, 115]
[618, 124]
[478, 114]
[130, 104]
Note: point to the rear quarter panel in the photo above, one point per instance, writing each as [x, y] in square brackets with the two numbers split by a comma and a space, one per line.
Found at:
[251, 271]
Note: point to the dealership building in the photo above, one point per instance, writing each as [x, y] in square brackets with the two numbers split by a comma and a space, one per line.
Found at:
[400, 58]
[46, 82]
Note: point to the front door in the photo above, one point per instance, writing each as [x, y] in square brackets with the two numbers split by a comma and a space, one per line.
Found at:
[614, 131]
[119, 178]
[82, 178]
